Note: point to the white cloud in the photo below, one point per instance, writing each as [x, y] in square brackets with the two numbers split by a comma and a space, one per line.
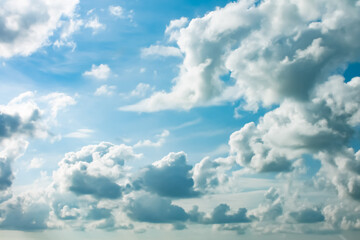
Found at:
[148, 143]
[173, 30]
[20, 120]
[292, 129]
[95, 25]
[168, 177]
[116, 11]
[105, 90]
[100, 72]
[273, 51]
[26, 25]
[81, 133]
[95, 170]
[36, 163]
[58, 101]
[158, 50]
[69, 28]
[141, 90]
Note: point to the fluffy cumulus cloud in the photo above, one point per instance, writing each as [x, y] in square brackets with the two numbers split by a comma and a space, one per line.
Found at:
[94, 24]
[173, 29]
[277, 53]
[169, 177]
[26, 25]
[20, 120]
[95, 170]
[219, 215]
[155, 209]
[210, 173]
[19, 117]
[273, 50]
[100, 72]
[325, 124]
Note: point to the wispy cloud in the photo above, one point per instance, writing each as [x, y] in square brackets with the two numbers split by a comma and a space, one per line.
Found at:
[81, 133]
[158, 143]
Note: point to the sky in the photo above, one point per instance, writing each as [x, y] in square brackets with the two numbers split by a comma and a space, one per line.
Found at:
[179, 119]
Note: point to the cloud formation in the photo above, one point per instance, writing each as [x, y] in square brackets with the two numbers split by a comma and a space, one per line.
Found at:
[272, 50]
[278, 53]
[100, 72]
[25, 26]
[95, 170]
[169, 177]
[296, 128]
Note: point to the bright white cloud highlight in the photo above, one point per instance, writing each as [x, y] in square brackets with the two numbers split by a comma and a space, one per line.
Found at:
[26, 25]
[173, 29]
[100, 72]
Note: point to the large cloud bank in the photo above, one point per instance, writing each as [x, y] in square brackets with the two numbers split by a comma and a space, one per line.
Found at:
[278, 53]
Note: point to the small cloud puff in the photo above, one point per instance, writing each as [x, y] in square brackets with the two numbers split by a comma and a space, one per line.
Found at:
[100, 72]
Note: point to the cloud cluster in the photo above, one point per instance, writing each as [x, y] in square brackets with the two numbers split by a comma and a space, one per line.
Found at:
[272, 50]
[21, 119]
[324, 124]
[276, 52]
[18, 120]
[95, 170]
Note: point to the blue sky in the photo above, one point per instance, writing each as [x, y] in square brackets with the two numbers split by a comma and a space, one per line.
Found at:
[172, 119]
